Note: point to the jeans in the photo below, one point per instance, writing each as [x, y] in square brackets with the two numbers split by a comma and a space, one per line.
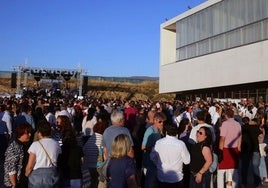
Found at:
[150, 177]
[43, 178]
[94, 177]
[76, 183]
[3, 145]
[262, 168]
[169, 185]
[255, 164]
[205, 183]
[225, 175]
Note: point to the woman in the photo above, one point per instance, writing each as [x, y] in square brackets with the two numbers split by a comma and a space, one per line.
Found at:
[89, 122]
[43, 155]
[72, 156]
[93, 152]
[121, 170]
[78, 118]
[201, 159]
[184, 130]
[15, 157]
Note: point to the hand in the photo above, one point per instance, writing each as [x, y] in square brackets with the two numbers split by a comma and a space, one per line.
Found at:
[198, 178]
[220, 155]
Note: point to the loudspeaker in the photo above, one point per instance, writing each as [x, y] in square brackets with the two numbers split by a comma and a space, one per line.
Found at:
[13, 80]
[85, 84]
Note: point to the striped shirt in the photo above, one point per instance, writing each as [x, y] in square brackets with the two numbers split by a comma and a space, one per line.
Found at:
[92, 150]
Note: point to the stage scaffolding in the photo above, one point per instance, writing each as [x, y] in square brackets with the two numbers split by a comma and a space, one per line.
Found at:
[47, 73]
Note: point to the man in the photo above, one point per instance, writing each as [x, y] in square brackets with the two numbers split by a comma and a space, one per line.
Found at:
[230, 146]
[250, 150]
[64, 112]
[117, 127]
[27, 113]
[151, 135]
[130, 116]
[201, 121]
[5, 129]
[169, 155]
[150, 116]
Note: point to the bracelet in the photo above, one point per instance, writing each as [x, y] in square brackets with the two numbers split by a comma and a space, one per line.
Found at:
[200, 173]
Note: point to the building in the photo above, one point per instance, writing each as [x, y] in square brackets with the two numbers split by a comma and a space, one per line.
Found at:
[217, 49]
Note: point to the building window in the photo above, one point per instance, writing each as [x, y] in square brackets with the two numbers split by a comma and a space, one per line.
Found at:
[227, 24]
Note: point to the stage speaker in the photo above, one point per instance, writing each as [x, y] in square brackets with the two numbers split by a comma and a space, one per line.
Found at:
[85, 84]
[13, 80]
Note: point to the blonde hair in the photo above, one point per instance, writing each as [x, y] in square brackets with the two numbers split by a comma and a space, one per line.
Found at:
[120, 146]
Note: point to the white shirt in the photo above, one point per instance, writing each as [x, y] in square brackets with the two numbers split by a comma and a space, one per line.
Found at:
[214, 115]
[192, 137]
[52, 147]
[7, 118]
[169, 155]
[87, 126]
[51, 118]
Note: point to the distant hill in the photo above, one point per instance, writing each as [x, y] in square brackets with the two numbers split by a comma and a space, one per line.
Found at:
[123, 88]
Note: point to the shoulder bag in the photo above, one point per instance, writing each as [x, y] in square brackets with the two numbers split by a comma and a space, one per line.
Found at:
[44, 177]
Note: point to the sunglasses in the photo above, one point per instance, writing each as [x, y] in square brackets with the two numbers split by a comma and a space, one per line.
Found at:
[199, 132]
[160, 121]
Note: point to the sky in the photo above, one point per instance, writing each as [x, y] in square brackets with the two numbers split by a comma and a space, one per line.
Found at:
[118, 38]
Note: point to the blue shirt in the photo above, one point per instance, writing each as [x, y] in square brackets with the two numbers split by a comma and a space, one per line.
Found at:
[109, 135]
[150, 137]
[119, 170]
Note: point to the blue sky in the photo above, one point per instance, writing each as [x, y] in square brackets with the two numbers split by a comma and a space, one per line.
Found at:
[106, 37]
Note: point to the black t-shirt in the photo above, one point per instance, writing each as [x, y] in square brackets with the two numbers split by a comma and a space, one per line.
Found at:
[250, 142]
[70, 161]
[197, 158]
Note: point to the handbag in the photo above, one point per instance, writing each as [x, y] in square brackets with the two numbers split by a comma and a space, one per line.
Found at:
[102, 170]
[214, 164]
[44, 177]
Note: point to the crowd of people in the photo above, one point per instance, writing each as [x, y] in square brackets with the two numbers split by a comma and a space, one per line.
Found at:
[48, 142]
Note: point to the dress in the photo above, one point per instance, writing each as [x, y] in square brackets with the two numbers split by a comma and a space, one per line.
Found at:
[119, 170]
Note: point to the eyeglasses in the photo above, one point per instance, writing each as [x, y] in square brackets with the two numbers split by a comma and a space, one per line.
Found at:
[160, 121]
[199, 132]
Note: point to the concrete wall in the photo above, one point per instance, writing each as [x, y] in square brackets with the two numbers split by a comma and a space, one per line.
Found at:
[240, 65]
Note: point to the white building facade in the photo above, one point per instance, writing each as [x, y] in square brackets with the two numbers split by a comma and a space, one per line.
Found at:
[218, 49]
